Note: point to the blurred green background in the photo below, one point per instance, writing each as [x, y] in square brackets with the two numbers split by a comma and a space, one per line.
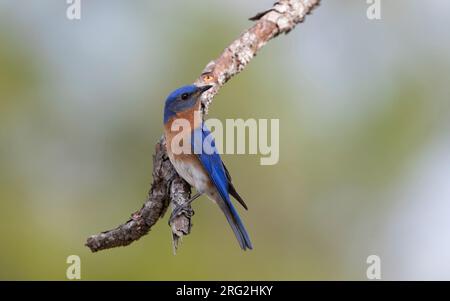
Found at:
[364, 139]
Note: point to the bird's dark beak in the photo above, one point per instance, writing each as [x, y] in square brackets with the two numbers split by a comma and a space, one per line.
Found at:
[204, 88]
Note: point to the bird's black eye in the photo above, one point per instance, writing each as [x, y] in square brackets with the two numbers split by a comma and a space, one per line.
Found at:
[184, 96]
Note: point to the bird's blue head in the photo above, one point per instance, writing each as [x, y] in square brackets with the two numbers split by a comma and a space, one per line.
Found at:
[182, 99]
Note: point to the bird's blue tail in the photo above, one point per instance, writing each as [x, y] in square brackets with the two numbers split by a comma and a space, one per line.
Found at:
[236, 224]
[213, 165]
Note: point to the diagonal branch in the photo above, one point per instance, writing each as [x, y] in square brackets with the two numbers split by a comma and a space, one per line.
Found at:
[154, 207]
[167, 184]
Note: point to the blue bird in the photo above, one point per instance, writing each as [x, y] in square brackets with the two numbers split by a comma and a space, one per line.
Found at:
[200, 166]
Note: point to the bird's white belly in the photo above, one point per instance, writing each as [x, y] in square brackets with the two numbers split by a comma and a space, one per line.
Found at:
[194, 175]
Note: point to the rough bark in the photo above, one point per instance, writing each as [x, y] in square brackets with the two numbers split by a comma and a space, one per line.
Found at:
[168, 186]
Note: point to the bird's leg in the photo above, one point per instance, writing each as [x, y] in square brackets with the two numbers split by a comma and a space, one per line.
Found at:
[177, 210]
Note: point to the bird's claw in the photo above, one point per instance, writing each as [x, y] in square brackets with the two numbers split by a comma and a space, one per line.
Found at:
[181, 209]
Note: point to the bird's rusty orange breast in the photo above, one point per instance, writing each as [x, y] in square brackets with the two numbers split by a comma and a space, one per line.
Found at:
[185, 122]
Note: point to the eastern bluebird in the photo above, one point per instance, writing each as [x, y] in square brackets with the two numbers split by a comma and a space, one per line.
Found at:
[200, 167]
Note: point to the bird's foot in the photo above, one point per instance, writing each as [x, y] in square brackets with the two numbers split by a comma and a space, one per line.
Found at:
[181, 209]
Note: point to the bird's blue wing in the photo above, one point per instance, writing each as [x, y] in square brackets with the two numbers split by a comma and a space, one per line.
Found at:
[203, 145]
[206, 151]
